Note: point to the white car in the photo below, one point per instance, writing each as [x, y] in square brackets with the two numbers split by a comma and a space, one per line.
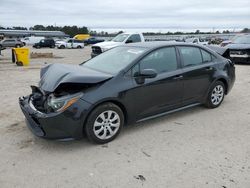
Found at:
[123, 38]
[69, 43]
[31, 40]
[197, 41]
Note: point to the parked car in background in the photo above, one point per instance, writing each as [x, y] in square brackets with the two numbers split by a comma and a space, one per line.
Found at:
[127, 84]
[239, 49]
[197, 41]
[45, 43]
[124, 38]
[11, 43]
[230, 40]
[93, 40]
[31, 40]
[81, 36]
[69, 43]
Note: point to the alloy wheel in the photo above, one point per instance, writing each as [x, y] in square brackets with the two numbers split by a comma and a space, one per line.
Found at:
[106, 124]
[217, 95]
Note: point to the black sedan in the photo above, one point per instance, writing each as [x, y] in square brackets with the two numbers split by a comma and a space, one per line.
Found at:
[92, 40]
[239, 49]
[124, 85]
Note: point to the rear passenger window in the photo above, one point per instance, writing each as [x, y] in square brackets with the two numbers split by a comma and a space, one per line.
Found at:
[161, 60]
[190, 56]
[206, 56]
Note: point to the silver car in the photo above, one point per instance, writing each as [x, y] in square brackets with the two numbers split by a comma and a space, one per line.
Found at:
[11, 43]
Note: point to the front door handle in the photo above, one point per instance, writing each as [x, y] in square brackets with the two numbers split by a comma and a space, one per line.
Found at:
[178, 77]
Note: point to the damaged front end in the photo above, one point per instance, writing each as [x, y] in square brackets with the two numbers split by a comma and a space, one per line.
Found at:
[58, 101]
[55, 115]
[56, 108]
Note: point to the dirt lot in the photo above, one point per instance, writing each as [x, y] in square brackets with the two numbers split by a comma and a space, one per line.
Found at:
[197, 147]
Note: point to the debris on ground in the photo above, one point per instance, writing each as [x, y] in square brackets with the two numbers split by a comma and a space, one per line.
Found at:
[145, 153]
[140, 177]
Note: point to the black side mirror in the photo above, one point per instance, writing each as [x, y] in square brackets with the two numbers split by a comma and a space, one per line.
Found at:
[148, 73]
[143, 74]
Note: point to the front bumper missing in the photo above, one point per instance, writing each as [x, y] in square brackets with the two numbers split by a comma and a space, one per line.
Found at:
[63, 125]
[30, 114]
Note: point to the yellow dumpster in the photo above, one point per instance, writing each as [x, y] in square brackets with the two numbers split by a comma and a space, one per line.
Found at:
[20, 56]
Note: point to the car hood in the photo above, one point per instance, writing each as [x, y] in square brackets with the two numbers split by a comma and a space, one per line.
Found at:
[108, 44]
[234, 46]
[55, 74]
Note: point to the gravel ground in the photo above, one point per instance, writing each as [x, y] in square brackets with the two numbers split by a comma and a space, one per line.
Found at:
[197, 147]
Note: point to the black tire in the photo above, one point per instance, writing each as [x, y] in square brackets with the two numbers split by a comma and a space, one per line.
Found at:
[79, 47]
[214, 103]
[62, 47]
[93, 117]
[52, 46]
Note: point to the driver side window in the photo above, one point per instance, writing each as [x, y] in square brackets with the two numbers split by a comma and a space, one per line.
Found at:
[134, 38]
[161, 60]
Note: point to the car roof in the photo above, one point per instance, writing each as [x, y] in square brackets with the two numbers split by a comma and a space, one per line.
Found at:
[157, 44]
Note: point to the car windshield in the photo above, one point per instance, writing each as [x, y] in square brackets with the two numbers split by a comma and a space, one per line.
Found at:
[242, 40]
[120, 38]
[114, 60]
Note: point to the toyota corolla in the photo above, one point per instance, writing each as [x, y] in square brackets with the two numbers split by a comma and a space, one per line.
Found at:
[124, 85]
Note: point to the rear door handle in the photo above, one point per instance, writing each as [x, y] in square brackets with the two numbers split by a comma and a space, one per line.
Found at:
[178, 77]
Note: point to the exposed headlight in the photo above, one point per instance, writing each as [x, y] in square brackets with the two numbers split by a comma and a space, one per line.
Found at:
[59, 104]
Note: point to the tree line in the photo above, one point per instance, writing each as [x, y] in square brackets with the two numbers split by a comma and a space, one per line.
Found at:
[74, 30]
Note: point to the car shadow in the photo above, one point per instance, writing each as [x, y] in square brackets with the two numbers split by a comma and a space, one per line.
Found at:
[84, 143]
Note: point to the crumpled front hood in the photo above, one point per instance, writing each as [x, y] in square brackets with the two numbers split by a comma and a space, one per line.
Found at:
[108, 44]
[55, 74]
[233, 46]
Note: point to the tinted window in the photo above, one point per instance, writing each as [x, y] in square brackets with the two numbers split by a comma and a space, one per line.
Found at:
[114, 60]
[206, 56]
[162, 60]
[190, 56]
[134, 38]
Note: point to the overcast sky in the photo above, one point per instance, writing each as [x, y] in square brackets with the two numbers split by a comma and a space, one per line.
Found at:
[127, 13]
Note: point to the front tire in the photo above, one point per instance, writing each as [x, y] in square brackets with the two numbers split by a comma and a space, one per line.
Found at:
[215, 95]
[104, 123]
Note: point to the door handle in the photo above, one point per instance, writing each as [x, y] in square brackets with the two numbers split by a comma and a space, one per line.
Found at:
[209, 68]
[178, 77]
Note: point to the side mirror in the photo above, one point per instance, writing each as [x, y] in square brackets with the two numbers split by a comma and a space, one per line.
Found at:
[129, 41]
[147, 73]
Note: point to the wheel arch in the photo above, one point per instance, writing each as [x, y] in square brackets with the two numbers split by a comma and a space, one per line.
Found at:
[225, 82]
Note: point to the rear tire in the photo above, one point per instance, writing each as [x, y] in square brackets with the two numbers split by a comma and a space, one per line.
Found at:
[79, 47]
[216, 95]
[62, 47]
[104, 123]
